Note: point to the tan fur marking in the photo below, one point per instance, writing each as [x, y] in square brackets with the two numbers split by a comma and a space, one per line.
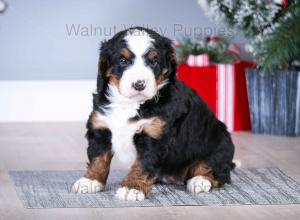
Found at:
[125, 53]
[112, 78]
[160, 78]
[173, 58]
[155, 128]
[99, 167]
[96, 123]
[152, 54]
[162, 75]
[136, 179]
[202, 169]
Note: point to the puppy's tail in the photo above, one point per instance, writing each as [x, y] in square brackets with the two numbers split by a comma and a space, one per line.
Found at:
[236, 164]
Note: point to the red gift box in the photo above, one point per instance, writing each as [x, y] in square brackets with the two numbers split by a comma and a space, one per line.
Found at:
[223, 88]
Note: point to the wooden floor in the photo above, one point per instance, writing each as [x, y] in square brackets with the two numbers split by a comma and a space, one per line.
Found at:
[61, 146]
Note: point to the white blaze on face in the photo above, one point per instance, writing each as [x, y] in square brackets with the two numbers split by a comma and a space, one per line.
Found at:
[138, 43]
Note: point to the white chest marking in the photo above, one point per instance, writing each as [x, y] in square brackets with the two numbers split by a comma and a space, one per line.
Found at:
[117, 114]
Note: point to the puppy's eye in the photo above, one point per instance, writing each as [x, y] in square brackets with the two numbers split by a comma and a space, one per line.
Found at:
[123, 61]
[154, 61]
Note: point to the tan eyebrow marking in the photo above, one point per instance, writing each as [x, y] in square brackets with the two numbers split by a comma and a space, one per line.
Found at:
[152, 54]
[125, 53]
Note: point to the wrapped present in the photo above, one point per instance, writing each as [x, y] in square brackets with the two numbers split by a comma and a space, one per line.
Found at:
[223, 88]
[198, 60]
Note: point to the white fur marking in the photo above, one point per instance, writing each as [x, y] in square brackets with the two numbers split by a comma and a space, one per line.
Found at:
[198, 184]
[85, 185]
[127, 194]
[120, 110]
[117, 114]
[238, 163]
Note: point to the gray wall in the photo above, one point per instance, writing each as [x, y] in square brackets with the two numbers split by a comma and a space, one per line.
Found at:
[36, 43]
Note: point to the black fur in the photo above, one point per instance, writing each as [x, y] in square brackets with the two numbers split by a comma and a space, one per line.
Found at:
[192, 132]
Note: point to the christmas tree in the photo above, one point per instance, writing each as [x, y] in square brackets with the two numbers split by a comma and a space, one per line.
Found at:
[273, 28]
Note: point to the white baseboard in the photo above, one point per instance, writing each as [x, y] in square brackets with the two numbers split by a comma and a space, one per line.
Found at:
[35, 101]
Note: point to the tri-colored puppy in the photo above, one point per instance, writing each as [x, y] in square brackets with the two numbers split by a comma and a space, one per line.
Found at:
[151, 121]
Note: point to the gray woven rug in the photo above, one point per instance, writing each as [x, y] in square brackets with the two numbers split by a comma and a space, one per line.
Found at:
[51, 189]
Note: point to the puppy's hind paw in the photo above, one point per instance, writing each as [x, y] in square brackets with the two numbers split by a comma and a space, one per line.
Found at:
[198, 184]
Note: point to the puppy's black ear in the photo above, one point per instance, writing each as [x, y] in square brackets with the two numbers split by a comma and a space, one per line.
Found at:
[103, 65]
[171, 60]
[172, 65]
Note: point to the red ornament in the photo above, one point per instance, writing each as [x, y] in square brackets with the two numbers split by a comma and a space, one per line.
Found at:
[207, 39]
[285, 4]
[215, 39]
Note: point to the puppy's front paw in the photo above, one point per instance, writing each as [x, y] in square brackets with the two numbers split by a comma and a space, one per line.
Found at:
[198, 184]
[86, 185]
[124, 193]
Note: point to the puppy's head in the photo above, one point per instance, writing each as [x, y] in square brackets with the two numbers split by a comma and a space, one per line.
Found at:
[138, 62]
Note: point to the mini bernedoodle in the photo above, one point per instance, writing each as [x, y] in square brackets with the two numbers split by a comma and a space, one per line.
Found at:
[152, 122]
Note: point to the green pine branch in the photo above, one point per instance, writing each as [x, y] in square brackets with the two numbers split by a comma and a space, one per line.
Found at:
[283, 45]
[216, 54]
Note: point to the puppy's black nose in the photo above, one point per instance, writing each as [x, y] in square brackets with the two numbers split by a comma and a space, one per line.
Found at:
[139, 85]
